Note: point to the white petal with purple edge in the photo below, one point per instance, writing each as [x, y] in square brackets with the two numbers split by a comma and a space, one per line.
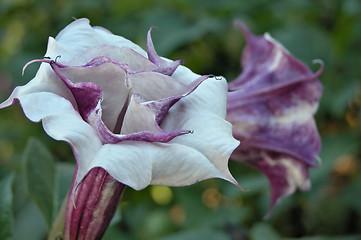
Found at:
[138, 164]
[44, 81]
[202, 110]
[62, 122]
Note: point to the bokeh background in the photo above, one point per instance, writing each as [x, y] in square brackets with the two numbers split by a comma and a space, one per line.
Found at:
[201, 33]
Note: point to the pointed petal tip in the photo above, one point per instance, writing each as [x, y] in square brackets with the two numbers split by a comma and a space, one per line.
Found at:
[181, 61]
[240, 187]
[243, 27]
[231, 179]
[239, 23]
[152, 54]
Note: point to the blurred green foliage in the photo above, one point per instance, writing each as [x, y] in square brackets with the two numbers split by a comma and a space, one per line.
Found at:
[201, 33]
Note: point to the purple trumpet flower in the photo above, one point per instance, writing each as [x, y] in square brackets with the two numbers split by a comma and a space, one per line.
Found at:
[131, 117]
[271, 106]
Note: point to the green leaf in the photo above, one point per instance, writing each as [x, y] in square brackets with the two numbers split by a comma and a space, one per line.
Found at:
[264, 231]
[40, 178]
[29, 223]
[6, 214]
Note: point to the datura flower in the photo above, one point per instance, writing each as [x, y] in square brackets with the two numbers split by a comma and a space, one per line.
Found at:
[131, 117]
[271, 106]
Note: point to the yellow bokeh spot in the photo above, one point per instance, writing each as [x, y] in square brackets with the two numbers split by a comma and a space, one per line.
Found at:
[211, 197]
[177, 215]
[161, 194]
[346, 165]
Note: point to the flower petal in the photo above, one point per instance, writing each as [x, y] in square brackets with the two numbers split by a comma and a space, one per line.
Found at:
[161, 107]
[277, 98]
[138, 164]
[267, 65]
[139, 118]
[202, 110]
[109, 79]
[271, 109]
[44, 81]
[165, 67]
[125, 55]
[138, 125]
[284, 173]
[79, 36]
[155, 86]
[62, 122]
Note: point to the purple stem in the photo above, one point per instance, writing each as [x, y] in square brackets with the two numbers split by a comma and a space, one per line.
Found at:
[90, 209]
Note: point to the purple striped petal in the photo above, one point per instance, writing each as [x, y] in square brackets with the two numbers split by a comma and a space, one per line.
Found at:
[284, 172]
[271, 106]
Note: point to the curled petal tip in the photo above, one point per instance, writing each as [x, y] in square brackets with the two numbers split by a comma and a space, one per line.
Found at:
[45, 59]
[57, 57]
[183, 132]
[318, 161]
[319, 61]
[155, 27]
[322, 65]
[218, 78]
